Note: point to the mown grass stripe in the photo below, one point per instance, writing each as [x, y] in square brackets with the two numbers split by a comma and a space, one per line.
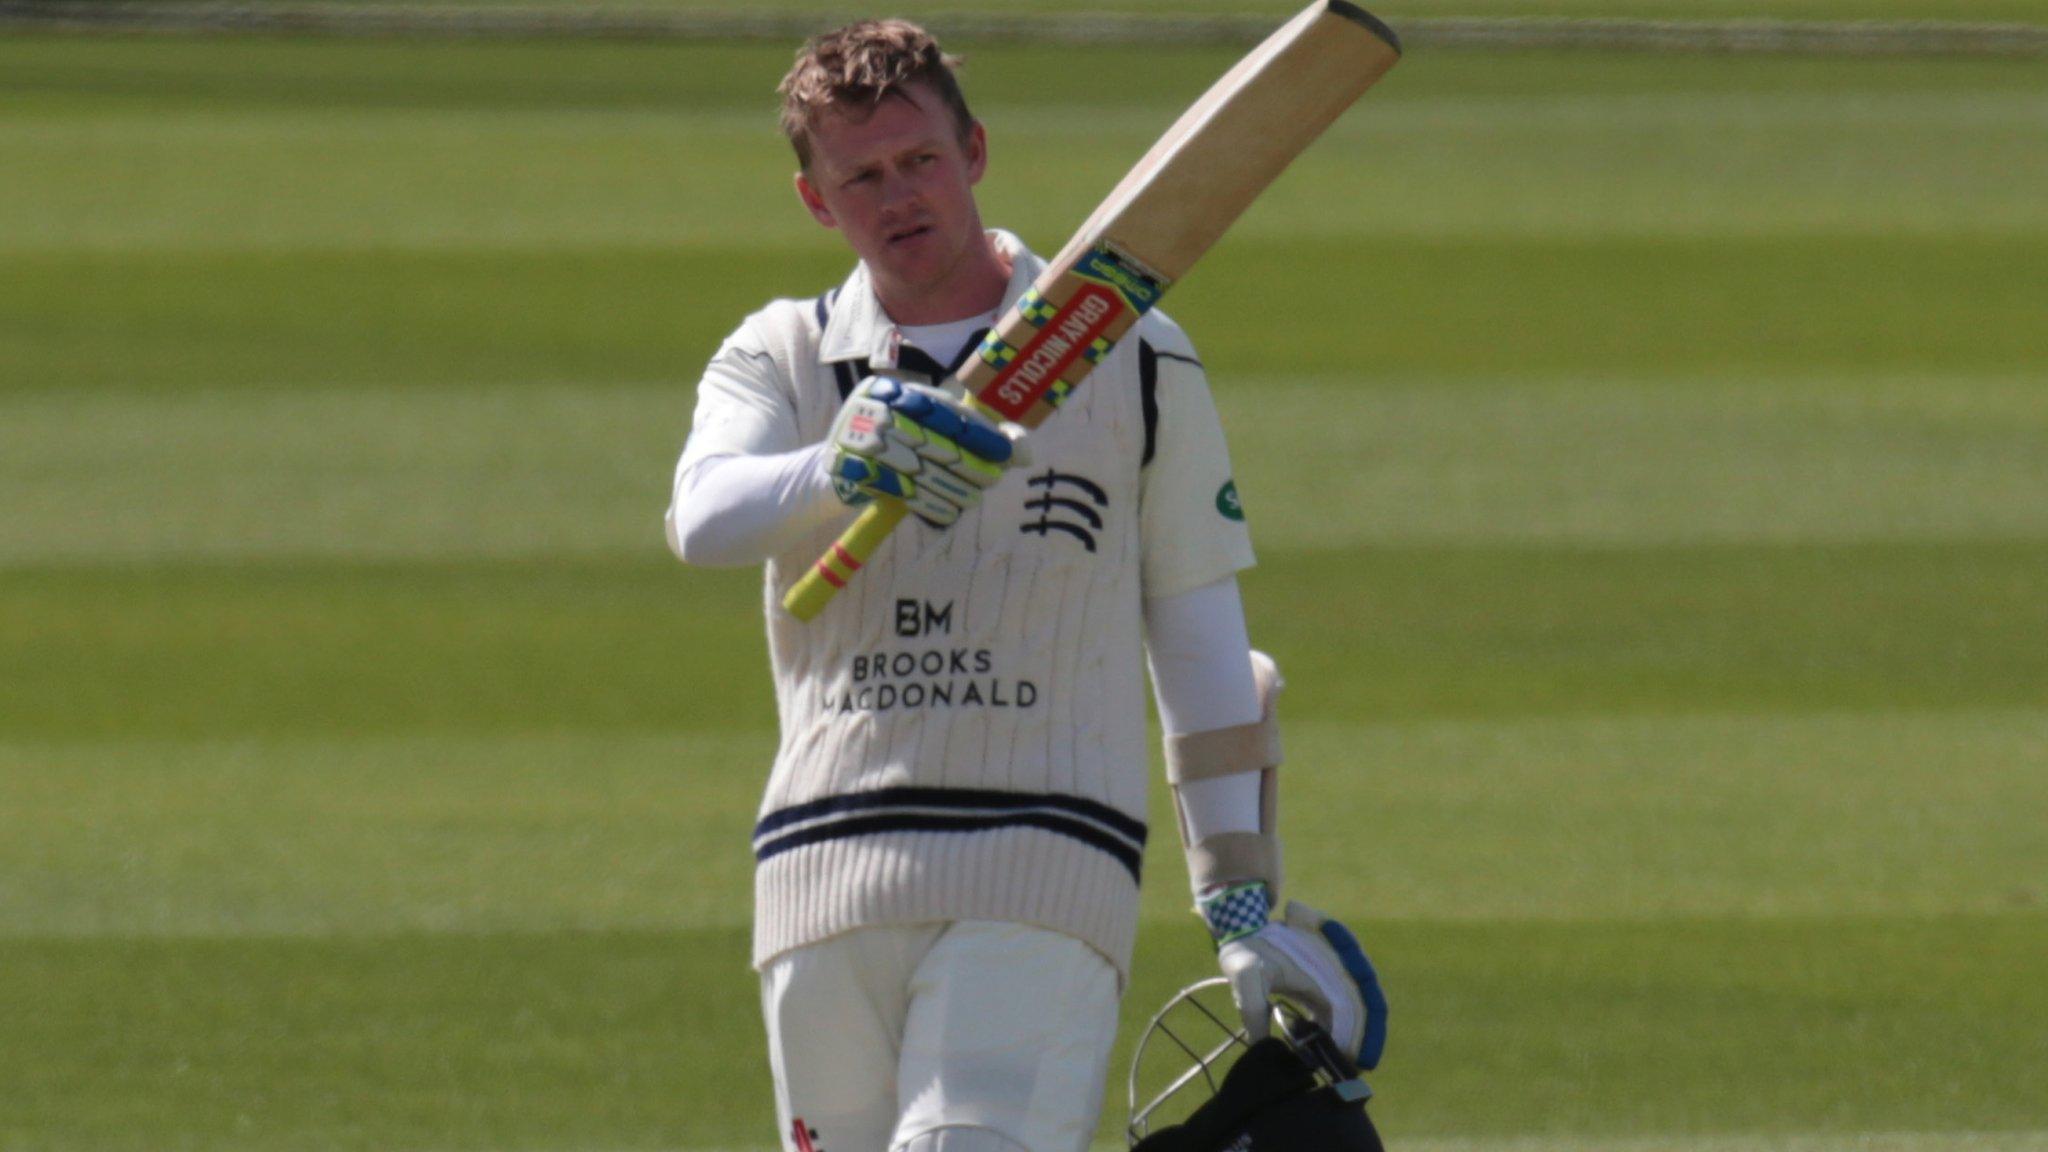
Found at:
[1643, 819]
[1723, 1030]
[437, 473]
[1753, 36]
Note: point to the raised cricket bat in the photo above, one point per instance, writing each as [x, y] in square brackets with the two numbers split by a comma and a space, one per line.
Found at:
[1168, 211]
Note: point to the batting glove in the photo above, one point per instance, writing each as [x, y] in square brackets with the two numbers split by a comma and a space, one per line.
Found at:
[919, 445]
[1307, 959]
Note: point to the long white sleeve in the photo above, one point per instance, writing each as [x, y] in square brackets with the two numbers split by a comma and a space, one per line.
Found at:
[1200, 653]
[734, 510]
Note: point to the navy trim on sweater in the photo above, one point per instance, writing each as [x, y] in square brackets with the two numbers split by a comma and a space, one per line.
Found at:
[911, 809]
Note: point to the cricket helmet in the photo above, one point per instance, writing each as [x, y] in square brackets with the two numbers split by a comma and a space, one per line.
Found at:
[1291, 1092]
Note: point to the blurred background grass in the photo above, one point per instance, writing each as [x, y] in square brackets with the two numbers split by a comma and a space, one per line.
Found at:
[2020, 11]
[1648, 456]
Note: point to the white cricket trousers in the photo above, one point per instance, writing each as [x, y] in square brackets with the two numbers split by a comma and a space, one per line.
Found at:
[970, 1033]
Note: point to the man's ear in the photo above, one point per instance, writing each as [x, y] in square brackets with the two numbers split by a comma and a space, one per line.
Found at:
[977, 152]
[808, 193]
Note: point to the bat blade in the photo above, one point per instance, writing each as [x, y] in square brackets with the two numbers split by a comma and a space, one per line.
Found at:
[1156, 223]
[1240, 135]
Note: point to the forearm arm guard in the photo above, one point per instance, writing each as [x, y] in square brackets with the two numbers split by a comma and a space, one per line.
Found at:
[1235, 857]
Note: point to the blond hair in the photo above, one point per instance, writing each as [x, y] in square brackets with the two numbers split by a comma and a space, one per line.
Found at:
[856, 68]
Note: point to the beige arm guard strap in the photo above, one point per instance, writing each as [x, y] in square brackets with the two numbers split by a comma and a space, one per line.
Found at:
[1235, 857]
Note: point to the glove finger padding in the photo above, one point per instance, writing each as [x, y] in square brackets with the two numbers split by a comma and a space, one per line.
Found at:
[918, 445]
[1316, 966]
[1249, 989]
[985, 446]
[1371, 1041]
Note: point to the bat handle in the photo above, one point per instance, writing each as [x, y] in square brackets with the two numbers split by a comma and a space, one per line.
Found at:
[836, 567]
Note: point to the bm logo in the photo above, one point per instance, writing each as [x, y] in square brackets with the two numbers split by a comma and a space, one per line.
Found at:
[1067, 505]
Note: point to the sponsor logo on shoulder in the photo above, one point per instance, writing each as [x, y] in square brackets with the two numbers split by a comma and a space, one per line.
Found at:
[1227, 501]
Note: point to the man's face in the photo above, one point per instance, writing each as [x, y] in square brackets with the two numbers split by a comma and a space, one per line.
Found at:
[899, 183]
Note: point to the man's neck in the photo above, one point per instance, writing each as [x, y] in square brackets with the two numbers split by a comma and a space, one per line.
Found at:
[974, 289]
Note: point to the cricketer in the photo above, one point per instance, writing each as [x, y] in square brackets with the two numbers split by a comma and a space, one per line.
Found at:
[949, 847]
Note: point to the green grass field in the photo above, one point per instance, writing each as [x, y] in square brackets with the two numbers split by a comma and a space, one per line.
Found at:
[1648, 457]
[2020, 11]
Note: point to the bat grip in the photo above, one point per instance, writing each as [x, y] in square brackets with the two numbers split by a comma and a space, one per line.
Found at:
[836, 567]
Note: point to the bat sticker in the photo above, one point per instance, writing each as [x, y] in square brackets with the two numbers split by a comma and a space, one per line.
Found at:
[1067, 337]
[1139, 288]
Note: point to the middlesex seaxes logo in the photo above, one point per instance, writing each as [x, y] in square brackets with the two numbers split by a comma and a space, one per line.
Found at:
[1066, 506]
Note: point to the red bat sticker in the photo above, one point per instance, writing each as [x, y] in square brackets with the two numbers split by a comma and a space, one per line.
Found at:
[1043, 360]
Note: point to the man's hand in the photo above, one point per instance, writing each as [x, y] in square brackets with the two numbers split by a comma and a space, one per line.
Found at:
[1308, 960]
[919, 445]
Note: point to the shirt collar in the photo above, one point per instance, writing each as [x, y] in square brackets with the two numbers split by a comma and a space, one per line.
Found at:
[859, 329]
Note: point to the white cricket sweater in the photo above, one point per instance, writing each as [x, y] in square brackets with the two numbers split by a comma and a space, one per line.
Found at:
[963, 730]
